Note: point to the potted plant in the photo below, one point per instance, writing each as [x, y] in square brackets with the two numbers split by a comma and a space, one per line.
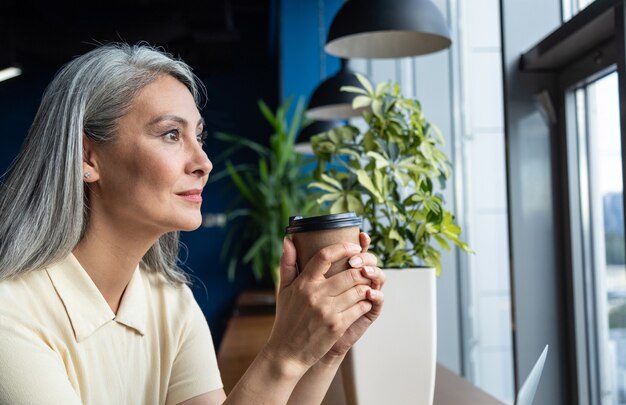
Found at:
[272, 188]
[389, 173]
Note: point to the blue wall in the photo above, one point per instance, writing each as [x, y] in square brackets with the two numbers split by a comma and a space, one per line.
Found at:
[301, 67]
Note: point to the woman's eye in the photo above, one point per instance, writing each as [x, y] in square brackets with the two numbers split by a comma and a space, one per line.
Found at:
[172, 135]
[201, 137]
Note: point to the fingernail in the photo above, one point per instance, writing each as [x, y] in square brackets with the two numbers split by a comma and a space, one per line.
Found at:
[369, 270]
[353, 247]
[356, 261]
[373, 293]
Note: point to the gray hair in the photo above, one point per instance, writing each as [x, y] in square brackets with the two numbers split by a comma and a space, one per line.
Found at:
[43, 203]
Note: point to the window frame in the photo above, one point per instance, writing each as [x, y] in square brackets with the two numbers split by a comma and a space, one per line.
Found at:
[586, 48]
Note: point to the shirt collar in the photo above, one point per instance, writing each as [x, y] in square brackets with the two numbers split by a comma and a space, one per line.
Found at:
[133, 309]
[86, 307]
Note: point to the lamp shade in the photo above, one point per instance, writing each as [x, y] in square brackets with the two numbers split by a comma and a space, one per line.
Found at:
[387, 29]
[9, 72]
[303, 145]
[328, 102]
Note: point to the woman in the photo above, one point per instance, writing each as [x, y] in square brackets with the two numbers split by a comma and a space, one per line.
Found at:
[92, 306]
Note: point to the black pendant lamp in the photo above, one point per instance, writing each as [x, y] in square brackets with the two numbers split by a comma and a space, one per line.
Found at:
[387, 29]
[328, 102]
[303, 144]
[9, 68]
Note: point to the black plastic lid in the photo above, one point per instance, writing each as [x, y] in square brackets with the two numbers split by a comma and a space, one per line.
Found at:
[299, 224]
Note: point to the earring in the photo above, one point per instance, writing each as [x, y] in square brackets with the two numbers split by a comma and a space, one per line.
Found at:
[87, 175]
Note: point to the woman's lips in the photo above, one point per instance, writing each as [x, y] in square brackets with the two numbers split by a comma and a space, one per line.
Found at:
[192, 195]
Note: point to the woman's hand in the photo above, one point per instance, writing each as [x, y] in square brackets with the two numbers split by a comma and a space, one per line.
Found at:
[377, 279]
[313, 312]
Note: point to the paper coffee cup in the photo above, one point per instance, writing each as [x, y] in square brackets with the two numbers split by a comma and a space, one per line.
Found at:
[310, 235]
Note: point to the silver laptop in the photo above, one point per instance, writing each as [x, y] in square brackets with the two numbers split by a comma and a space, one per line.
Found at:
[526, 393]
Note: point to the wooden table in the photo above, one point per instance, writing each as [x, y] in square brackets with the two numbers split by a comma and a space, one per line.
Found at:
[250, 327]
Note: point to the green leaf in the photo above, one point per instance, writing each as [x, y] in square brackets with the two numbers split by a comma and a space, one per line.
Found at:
[241, 185]
[379, 181]
[329, 197]
[426, 151]
[381, 161]
[377, 107]
[453, 228]
[267, 113]
[393, 234]
[403, 178]
[431, 228]
[332, 181]
[323, 186]
[366, 182]
[421, 230]
[334, 136]
[230, 271]
[381, 88]
[295, 125]
[347, 151]
[354, 204]
[361, 102]
[365, 83]
[263, 171]
[442, 242]
[339, 206]
[244, 142]
[353, 89]
[368, 141]
[254, 249]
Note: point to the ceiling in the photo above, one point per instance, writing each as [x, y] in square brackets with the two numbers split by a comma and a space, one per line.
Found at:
[210, 35]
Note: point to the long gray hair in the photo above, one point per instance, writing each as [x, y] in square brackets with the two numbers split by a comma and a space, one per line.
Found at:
[43, 203]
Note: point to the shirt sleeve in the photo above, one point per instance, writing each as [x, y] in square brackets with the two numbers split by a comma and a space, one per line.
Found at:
[195, 370]
[31, 372]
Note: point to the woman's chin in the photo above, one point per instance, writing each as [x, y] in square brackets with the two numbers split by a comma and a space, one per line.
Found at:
[190, 225]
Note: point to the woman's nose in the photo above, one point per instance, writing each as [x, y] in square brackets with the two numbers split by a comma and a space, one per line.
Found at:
[199, 163]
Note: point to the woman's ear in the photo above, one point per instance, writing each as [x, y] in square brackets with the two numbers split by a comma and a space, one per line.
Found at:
[90, 161]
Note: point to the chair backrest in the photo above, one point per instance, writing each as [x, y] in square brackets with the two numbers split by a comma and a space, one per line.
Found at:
[526, 393]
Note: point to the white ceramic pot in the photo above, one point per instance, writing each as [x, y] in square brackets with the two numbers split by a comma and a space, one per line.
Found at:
[395, 361]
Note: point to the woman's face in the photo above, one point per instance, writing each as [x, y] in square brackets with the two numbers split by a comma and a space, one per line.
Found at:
[153, 173]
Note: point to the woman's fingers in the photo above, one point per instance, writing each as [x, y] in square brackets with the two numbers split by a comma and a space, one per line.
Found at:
[375, 275]
[357, 274]
[345, 280]
[363, 259]
[351, 297]
[358, 293]
[288, 270]
[319, 264]
[365, 240]
[355, 312]
[313, 312]
[377, 298]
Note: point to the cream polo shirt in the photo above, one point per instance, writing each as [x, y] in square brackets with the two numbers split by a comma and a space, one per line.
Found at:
[60, 343]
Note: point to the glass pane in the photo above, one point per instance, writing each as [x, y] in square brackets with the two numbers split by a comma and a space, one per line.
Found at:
[573, 7]
[487, 328]
[598, 113]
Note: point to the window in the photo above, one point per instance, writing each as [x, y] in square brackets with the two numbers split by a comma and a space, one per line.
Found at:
[572, 7]
[564, 116]
[487, 340]
[600, 208]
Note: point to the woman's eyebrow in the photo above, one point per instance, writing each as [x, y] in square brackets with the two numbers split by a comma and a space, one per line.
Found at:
[168, 117]
[176, 118]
